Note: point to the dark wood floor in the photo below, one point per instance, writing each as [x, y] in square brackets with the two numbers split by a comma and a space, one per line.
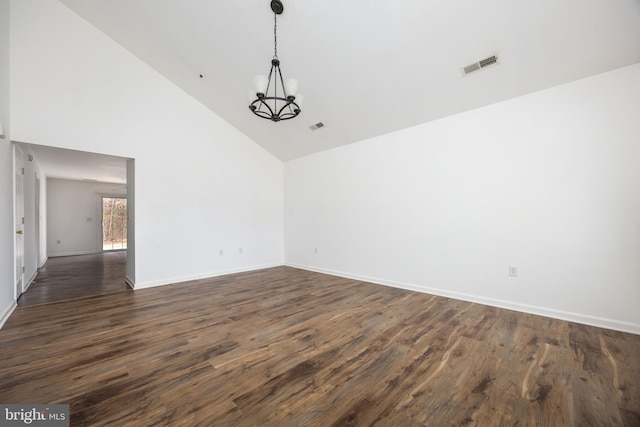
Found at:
[63, 278]
[286, 347]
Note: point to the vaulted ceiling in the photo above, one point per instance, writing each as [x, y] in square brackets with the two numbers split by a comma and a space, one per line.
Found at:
[370, 67]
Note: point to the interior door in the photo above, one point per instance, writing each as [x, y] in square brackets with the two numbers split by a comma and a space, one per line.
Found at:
[19, 220]
[37, 222]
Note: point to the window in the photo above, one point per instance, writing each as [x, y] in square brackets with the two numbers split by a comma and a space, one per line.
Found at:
[114, 223]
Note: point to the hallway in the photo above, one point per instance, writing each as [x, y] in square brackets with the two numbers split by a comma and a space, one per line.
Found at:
[70, 277]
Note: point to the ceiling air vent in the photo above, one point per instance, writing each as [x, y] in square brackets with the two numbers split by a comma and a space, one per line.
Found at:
[483, 63]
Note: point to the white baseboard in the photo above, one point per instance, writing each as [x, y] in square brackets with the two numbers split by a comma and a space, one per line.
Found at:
[152, 284]
[130, 282]
[74, 253]
[30, 281]
[7, 313]
[585, 319]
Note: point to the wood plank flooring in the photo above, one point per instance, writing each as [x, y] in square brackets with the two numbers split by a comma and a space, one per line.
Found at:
[68, 277]
[287, 347]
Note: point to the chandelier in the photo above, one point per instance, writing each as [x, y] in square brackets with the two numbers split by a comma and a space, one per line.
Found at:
[273, 97]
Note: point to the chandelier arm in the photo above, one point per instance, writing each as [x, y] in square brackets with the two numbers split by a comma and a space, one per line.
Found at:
[262, 114]
[259, 112]
[275, 86]
[263, 101]
[291, 113]
[288, 116]
[266, 92]
[284, 88]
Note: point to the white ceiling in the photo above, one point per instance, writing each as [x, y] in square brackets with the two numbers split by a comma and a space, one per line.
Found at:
[77, 165]
[370, 67]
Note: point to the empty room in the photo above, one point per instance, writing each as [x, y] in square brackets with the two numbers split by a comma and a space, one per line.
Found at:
[305, 213]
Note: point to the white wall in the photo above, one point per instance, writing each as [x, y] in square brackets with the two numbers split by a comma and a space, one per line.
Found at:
[131, 224]
[201, 186]
[7, 299]
[548, 182]
[74, 212]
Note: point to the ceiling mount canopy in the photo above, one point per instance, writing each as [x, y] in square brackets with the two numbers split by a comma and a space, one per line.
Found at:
[277, 7]
[273, 97]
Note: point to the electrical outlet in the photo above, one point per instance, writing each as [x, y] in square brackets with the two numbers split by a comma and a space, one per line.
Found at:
[316, 250]
[513, 271]
[240, 250]
[221, 252]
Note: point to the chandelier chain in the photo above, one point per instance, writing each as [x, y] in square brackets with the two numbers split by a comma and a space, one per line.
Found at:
[275, 35]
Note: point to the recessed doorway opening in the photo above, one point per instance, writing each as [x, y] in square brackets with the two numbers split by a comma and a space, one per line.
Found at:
[114, 223]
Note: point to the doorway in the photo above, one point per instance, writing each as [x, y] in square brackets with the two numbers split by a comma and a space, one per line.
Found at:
[114, 223]
[115, 265]
[37, 216]
[19, 221]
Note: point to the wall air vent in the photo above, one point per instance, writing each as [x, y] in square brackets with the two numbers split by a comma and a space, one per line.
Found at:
[483, 63]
